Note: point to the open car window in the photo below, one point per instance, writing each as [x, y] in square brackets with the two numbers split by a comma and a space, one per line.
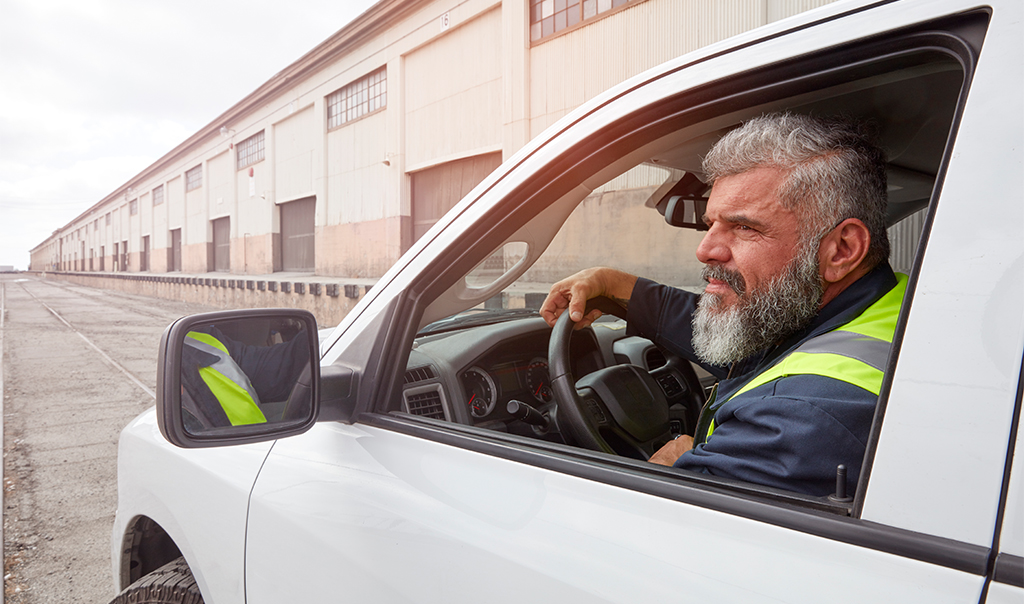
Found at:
[475, 342]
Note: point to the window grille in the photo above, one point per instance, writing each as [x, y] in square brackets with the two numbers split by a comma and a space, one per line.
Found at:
[548, 17]
[362, 97]
[194, 178]
[158, 195]
[250, 150]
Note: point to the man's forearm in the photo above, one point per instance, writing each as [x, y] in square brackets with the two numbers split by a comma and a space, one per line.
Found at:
[618, 285]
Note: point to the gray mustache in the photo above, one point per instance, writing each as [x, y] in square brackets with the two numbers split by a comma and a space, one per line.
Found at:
[732, 278]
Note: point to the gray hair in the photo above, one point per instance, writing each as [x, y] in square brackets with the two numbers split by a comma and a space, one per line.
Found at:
[834, 171]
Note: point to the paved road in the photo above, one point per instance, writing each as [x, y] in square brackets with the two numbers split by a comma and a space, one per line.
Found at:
[78, 363]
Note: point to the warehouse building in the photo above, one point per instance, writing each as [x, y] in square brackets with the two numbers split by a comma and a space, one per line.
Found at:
[341, 161]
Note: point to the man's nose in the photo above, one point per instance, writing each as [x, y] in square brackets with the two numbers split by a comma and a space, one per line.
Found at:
[713, 248]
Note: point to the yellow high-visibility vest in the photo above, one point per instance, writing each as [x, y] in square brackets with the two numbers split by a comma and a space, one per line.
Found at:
[855, 353]
[226, 380]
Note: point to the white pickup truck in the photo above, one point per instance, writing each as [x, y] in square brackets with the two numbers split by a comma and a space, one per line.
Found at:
[398, 471]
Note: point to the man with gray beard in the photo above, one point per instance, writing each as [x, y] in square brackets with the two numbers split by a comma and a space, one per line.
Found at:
[799, 311]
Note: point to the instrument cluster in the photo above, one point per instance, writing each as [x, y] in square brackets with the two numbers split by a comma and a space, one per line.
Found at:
[488, 388]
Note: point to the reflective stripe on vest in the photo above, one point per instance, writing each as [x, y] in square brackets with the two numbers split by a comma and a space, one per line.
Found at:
[226, 380]
[855, 352]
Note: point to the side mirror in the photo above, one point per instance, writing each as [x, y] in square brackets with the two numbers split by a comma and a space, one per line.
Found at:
[238, 376]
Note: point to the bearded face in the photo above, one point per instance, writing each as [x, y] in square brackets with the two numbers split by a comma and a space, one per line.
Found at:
[757, 319]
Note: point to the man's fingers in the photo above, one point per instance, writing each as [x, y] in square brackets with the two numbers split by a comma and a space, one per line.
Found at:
[553, 306]
[588, 319]
[579, 294]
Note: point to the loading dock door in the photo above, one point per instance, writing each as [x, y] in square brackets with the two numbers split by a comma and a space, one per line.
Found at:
[222, 244]
[436, 190]
[174, 262]
[297, 238]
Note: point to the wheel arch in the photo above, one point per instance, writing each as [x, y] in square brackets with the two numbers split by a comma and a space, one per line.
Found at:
[146, 546]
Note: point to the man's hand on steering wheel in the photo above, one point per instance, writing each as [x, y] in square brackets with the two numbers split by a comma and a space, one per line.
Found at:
[573, 292]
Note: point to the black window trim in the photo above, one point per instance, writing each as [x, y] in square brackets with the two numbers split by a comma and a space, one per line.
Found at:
[1008, 568]
[701, 103]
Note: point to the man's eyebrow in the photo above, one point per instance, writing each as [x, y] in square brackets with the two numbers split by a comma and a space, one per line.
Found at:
[737, 219]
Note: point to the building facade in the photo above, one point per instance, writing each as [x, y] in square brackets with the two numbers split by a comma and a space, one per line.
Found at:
[341, 161]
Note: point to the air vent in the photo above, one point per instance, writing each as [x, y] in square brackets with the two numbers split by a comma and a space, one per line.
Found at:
[427, 404]
[670, 385]
[419, 374]
[655, 359]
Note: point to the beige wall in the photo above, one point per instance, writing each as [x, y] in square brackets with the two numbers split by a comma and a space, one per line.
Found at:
[474, 87]
[361, 249]
[453, 94]
[568, 70]
[295, 153]
[252, 254]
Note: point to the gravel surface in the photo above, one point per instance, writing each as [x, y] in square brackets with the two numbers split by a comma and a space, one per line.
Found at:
[78, 364]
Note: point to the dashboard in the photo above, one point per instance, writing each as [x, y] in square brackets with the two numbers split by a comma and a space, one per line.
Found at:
[470, 375]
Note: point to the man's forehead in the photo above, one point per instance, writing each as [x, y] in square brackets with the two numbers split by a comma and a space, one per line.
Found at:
[747, 197]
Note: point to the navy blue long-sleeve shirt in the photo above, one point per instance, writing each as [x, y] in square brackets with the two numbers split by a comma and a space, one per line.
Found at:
[790, 433]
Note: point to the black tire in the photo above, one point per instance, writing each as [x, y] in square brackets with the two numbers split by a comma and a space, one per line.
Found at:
[172, 583]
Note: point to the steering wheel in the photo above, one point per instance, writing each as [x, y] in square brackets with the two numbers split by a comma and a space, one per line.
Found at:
[623, 400]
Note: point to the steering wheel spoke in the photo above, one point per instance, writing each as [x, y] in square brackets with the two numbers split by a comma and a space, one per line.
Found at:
[622, 400]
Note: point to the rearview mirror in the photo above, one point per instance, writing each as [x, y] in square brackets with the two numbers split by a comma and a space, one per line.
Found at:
[238, 376]
[685, 203]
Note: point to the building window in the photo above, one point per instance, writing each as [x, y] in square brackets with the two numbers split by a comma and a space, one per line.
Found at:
[194, 178]
[158, 195]
[548, 17]
[108, 219]
[362, 97]
[250, 150]
[133, 207]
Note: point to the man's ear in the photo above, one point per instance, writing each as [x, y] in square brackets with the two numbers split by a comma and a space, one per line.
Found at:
[842, 251]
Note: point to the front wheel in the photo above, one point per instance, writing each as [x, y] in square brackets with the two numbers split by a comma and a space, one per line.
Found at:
[172, 583]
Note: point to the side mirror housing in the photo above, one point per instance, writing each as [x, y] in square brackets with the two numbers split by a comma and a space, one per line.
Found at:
[239, 376]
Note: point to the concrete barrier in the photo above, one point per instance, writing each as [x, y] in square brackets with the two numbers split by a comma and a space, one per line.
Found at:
[329, 299]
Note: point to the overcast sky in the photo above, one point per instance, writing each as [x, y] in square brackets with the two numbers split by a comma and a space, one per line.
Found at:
[93, 91]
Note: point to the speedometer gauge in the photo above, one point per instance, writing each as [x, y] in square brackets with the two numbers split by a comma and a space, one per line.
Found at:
[481, 393]
[538, 381]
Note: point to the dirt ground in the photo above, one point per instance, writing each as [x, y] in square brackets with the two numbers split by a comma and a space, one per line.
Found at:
[78, 364]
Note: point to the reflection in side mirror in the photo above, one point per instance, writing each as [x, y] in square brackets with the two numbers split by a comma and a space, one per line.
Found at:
[238, 376]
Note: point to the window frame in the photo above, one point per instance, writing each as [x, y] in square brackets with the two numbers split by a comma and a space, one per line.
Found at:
[559, 15]
[737, 92]
[341, 112]
[250, 151]
[194, 178]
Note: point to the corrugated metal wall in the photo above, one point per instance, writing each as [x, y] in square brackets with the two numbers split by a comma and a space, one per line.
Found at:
[904, 239]
[453, 94]
[294, 145]
[570, 69]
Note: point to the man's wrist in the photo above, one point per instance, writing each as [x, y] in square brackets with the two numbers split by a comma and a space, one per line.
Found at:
[618, 285]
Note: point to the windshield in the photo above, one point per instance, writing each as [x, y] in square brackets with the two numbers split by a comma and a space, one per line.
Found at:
[476, 316]
[618, 224]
